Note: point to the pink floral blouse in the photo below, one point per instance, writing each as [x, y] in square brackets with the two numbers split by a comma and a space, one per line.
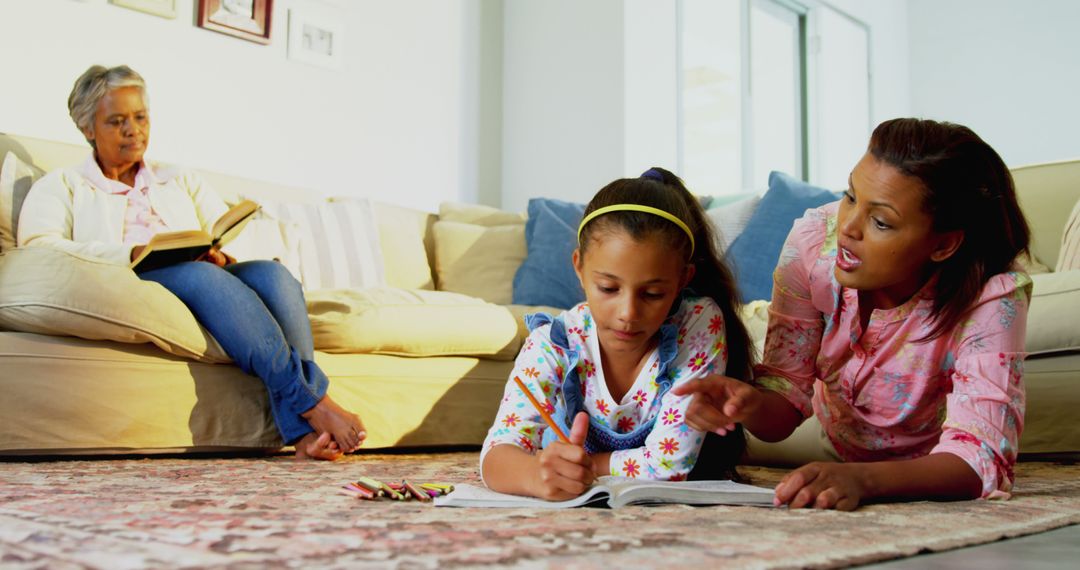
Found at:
[879, 393]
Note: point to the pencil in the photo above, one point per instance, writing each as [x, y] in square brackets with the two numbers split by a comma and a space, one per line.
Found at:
[543, 413]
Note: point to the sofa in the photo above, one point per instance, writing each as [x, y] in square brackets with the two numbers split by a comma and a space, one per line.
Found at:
[420, 345]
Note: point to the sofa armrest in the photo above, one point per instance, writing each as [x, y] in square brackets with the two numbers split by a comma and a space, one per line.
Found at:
[1054, 313]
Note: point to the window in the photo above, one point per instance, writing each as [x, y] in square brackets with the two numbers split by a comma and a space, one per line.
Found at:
[774, 95]
[770, 85]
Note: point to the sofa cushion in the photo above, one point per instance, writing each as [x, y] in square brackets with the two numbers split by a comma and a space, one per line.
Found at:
[478, 261]
[547, 277]
[404, 252]
[16, 178]
[265, 238]
[754, 254]
[478, 214]
[1069, 255]
[729, 216]
[387, 320]
[1051, 323]
[48, 291]
[339, 242]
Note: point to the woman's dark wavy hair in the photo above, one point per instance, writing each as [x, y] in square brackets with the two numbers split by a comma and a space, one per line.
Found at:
[663, 190]
[966, 187]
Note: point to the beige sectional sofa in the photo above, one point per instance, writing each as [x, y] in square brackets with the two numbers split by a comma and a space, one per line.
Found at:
[85, 369]
[156, 382]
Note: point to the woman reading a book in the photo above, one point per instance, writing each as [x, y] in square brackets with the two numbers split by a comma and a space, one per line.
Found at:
[898, 319]
[110, 207]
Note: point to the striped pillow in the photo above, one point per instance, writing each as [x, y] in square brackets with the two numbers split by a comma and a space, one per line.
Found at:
[339, 243]
[16, 178]
[1069, 257]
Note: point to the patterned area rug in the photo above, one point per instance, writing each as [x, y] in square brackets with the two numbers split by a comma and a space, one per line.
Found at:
[260, 512]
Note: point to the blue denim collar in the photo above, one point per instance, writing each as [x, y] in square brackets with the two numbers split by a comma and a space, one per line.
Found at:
[602, 437]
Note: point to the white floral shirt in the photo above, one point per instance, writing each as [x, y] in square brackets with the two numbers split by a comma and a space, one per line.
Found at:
[671, 447]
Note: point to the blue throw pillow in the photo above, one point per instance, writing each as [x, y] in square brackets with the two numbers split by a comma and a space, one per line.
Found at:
[754, 253]
[547, 277]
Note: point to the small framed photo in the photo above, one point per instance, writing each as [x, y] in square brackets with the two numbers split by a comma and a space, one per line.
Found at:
[163, 8]
[246, 19]
[316, 34]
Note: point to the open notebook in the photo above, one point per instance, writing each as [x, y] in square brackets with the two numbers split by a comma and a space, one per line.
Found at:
[617, 492]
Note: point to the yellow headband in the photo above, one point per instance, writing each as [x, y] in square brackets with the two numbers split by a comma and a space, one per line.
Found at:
[638, 208]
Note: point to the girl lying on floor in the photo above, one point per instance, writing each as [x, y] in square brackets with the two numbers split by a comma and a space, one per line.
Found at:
[659, 312]
[897, 318]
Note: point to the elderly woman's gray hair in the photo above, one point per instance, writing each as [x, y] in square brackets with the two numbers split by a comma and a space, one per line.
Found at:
[92, 86]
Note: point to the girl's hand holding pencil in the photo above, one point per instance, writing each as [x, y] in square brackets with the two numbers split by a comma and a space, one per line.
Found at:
[564, 470]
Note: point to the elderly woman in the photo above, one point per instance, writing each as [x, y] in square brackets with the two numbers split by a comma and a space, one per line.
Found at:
[112, 204]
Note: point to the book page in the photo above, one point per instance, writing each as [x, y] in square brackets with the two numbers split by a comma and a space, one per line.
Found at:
[473, 496]
[637, 492]
[229, 225]
[167, 240]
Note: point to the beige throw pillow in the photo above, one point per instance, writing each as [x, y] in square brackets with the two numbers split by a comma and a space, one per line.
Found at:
[478, 215]
[404, 253]
[47, 291]
[16, 178]
[1069, 256]
[265, 238]
[479, 261]
[386, 320]
[339, 242]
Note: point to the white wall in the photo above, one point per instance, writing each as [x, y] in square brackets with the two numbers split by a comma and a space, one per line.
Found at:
[562, 99]
[890, 80]
[397, 122]
[1008, 69]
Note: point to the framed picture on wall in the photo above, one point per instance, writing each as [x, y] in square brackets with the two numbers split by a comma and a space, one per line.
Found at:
[316, 34]
[163, 8]
[247, 19]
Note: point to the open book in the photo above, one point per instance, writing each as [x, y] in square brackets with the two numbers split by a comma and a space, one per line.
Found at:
[618, 492]
[168, 248]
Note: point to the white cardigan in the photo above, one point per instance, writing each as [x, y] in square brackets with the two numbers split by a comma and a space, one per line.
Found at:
[64, 210]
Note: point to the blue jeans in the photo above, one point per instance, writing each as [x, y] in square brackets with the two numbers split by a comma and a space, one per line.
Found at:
[256, 312]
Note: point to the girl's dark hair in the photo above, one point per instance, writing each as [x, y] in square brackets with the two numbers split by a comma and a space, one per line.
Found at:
[966, 187]
[663, 190]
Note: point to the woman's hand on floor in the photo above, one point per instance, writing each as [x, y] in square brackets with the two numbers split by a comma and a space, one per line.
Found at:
[818, 485]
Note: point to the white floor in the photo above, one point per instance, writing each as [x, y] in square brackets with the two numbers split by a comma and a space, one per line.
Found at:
[1059, 548]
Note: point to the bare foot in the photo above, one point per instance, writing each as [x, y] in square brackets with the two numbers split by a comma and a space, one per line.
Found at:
[320, 446]
[345, 427]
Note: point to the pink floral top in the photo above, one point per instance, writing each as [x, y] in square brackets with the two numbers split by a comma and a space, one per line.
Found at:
[140, 220]
[671, 447]
[879, 393]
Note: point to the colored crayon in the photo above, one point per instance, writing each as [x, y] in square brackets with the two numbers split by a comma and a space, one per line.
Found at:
[371, 485]
[392, 493]
[416, 493]
[358, 492]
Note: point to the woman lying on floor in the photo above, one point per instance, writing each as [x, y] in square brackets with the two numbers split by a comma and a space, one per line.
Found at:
[902, 304]
[113, 203]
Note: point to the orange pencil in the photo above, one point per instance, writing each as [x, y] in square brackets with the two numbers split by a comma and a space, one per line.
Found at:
[543, 413]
